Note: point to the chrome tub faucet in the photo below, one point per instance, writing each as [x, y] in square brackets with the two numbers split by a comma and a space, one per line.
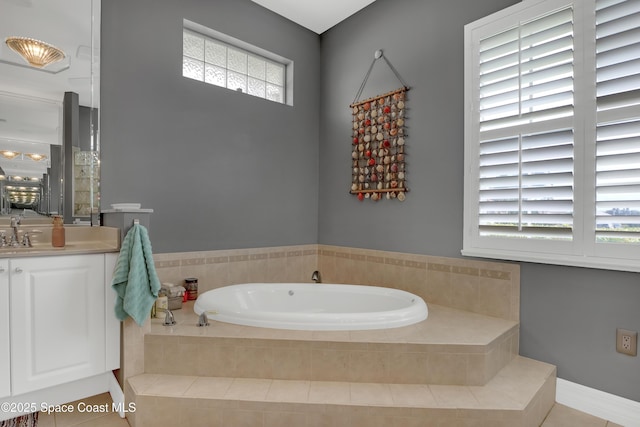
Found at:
[168, 318]
[203, 320]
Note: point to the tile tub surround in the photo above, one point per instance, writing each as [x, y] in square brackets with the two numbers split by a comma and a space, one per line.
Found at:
[489, 288]
[226, 267]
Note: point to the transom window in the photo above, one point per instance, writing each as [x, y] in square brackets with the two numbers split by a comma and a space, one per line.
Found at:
[224, 64]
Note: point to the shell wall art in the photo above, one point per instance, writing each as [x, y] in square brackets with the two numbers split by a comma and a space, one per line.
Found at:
[378, 154]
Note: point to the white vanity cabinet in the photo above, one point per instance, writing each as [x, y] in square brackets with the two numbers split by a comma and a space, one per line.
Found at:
[58, 326]
[59, 335]
[5, 350]
[57, 320]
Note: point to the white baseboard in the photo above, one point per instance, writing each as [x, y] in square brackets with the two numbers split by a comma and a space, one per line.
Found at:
[598, 403]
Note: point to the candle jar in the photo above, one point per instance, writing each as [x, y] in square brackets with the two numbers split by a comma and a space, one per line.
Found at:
[191, 285]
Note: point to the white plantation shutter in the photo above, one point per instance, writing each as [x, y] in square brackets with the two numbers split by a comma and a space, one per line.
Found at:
[525, 121]
[552, 134]
[618, 116]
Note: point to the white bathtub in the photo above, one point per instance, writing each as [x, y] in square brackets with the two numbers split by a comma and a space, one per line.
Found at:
[305, 306]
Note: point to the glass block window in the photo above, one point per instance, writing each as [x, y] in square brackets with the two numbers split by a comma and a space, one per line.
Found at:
[219, 63]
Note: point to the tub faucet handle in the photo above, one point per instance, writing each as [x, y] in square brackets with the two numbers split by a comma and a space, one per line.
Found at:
[203, 320]
[315, 276]
[168, 318]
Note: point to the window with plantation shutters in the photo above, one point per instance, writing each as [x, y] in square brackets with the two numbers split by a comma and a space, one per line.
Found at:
[525, 120]
[618, 121]
[552, 134]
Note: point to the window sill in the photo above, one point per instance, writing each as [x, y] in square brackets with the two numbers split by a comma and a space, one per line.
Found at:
[556, 259]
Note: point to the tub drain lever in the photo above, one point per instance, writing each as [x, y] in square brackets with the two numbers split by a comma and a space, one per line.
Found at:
[203, 320]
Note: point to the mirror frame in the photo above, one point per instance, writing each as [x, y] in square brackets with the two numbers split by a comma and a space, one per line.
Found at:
[94, 121]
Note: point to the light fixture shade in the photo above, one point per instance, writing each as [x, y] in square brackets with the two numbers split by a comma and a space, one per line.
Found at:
[37, 53]
[36, 157]
[9, 154]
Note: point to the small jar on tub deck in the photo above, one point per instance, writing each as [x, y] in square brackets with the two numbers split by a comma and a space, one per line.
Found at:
[191, 285]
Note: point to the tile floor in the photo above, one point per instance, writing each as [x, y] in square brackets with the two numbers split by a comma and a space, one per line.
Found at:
[84, 419]
[560, 416]
[563, 416]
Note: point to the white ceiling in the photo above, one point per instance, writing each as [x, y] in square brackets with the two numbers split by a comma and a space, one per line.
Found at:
[31, 99]
[318, 16]
[65, 24]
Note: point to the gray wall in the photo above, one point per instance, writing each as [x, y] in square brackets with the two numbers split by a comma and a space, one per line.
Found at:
[569, 318]
[568, 315]
[219, 168]
[249, 176]
[423, 40]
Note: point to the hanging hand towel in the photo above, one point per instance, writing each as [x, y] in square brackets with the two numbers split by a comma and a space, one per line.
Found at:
[135, 279]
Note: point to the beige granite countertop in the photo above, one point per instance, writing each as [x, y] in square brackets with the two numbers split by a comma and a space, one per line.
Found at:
[79, 239]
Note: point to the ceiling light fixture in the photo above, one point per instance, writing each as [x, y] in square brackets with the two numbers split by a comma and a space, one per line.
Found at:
[8, 154]
[37, 53]
[35, 156]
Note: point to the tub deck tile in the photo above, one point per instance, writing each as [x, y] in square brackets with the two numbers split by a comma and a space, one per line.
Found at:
[444, 326]
[451, 347]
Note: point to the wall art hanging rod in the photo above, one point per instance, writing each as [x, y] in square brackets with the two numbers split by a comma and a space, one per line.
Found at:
[384, 95]
[382, 190]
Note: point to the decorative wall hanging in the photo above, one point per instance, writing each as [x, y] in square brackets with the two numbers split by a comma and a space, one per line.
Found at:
[378, 155]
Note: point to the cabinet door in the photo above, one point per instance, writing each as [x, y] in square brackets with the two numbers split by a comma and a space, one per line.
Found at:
[5, 344]
[57, 320]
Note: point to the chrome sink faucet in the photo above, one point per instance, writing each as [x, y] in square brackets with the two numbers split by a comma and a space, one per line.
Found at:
[26, 240]
[15, 222]
[315, 277]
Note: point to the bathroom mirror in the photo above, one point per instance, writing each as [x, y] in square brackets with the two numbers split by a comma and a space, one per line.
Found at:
[49, 116]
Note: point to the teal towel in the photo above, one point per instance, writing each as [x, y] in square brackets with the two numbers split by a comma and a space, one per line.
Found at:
[135, 279]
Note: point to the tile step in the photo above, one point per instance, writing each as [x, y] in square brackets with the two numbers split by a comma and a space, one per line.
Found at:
[521, 394]
[451, 347]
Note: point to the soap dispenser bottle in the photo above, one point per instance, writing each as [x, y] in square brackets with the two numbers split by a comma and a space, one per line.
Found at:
[57, 232]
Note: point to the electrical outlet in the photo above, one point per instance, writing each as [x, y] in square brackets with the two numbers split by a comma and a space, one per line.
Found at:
[627, 342]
